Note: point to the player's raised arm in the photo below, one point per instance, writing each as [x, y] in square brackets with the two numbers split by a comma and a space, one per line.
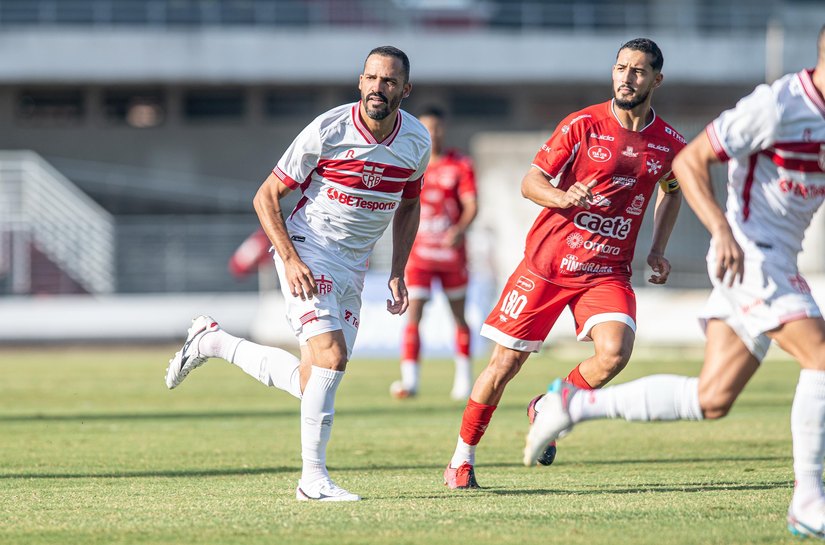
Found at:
[692, 168]
[404, 229]
[267, 204]
[536, 187]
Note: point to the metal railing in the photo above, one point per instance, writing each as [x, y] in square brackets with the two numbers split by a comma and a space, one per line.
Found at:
[683, 15]
[38, 205]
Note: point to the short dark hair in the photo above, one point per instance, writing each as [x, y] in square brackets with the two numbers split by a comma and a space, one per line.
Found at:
[646, 46]
[390, 51]
[433, 111]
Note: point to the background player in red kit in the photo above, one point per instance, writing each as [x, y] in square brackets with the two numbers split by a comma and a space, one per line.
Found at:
[448, 206]
[594, 177]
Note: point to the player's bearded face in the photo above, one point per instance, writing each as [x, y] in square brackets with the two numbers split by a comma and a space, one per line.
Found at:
[379, 105]
[633, 79]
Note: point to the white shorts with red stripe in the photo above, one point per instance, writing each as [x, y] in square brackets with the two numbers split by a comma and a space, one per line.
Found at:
[337, 304]
[772, 293]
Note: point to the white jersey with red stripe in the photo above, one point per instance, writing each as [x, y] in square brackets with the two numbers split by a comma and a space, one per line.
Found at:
[351, 183]
[774, 140]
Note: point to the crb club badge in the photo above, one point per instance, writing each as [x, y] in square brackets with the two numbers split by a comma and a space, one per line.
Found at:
[372, 175]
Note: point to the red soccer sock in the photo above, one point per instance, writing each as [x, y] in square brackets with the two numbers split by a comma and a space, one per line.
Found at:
[576, 379]
[462, 341]
[411, 343]
[475, 421]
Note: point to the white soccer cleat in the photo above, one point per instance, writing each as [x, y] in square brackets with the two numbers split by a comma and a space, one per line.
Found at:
[323, 489]
[552, 422]
[189, 357]
[812, 525]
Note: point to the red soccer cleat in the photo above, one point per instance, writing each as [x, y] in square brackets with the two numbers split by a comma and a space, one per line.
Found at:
[461, 477]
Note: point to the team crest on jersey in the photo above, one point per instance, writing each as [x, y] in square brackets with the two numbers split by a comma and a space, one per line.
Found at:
[653, 166]
[324, 285]
[372, 175]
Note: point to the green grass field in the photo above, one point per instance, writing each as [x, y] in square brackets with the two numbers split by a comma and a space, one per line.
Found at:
[95, 449]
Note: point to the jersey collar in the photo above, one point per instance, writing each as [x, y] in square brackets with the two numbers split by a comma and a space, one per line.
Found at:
[806, 78]
[365, 132]
[612, 106]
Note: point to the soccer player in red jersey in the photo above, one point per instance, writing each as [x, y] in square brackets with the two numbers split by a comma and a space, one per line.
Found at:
[448, 207]
[594, 177]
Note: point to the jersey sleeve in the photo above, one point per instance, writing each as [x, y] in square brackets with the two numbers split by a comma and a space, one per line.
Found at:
[301, 157]
[412, 188]
[560, 148]
[467, 182]
[748, 127]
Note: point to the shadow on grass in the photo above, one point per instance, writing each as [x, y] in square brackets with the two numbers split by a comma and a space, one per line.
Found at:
[183, 415]
[648, 488]
[160, 473]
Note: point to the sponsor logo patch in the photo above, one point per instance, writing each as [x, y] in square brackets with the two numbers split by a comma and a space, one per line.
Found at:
[359, 202]
[525, 284]
[628, 152]
[571, 264]
[600, 154]
[624, 181]
[658, 147]
[575, 240]
[611, 227]
[637, 206]
[605, 137]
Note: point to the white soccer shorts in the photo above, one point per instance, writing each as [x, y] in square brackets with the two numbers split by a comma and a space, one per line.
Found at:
[772, 293]
[336, 306]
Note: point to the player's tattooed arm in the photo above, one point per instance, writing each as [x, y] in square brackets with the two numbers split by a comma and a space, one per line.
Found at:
[267, 204]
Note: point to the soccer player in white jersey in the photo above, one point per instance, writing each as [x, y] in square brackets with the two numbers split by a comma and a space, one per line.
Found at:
[359, 166]
[774, 142]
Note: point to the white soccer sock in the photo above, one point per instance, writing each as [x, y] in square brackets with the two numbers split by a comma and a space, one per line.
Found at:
[317, 410]
[266, 364]
[657, 397]
[409, 374]
[808, 432]
[463, 453]
[463, 372]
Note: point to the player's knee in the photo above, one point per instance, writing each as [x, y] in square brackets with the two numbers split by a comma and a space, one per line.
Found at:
[714, 408]
[504, 365]
[613, 361]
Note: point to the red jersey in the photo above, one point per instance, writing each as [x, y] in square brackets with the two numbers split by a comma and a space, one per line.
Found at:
[448, 180]
[577, 247]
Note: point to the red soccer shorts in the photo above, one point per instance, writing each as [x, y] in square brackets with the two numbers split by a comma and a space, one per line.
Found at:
[530, 305]
[419, 281]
